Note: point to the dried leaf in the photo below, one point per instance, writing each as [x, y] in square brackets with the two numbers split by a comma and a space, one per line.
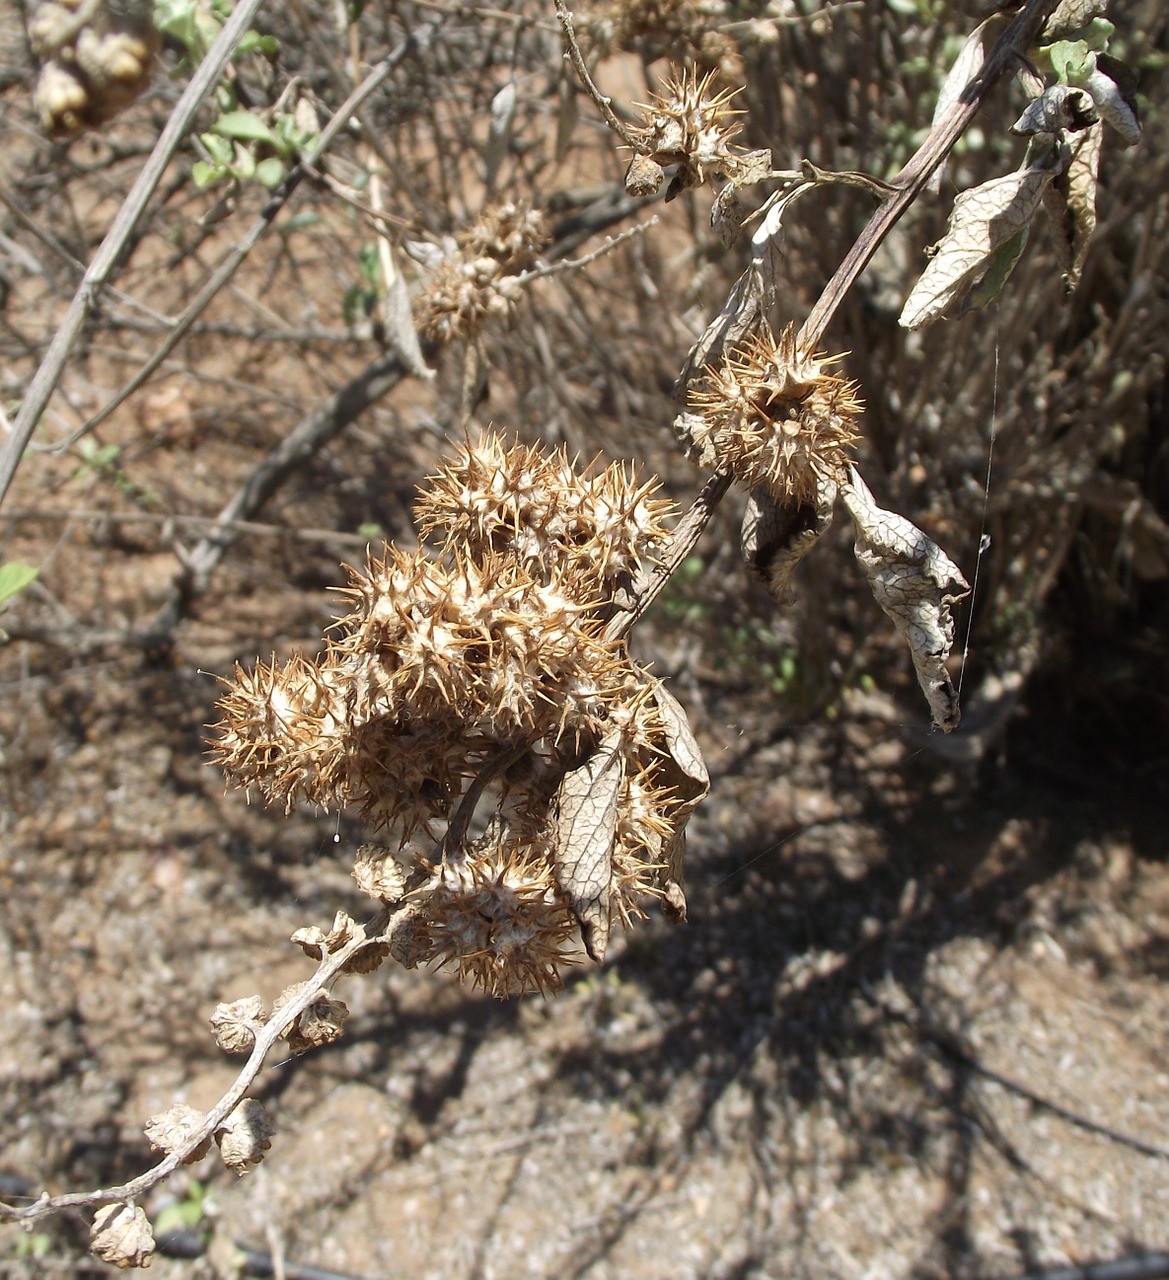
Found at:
[1113, 103]
[1069, 16]
[915, 583]
[586, 825]
[1061, 106]
[684, 774]
[727, 215]
[767, 249]
[499, 132]
[983, 219]
[776, 538]
[398, 318]
[567, 113]
[1070, 200]
[998, 271]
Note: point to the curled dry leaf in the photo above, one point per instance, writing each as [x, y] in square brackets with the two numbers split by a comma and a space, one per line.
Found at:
[1113, 100]
[245, 1135]
[1061, 106]
[585, 828]
[173, 1129]
[915, 583]
[1071, 16]
[121, 1236]
[1070, 200]
[235, 1024]
[984, 220]
[684, 773]
[776, 538]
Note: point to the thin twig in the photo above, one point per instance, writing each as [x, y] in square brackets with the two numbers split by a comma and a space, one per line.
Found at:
[604, 105]
[266, 217]
[104, 262]
[574, 264]
[376, 931]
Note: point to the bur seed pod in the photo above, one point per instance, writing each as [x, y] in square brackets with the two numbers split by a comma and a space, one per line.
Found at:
[121, 1236]
[245, 1136]
[172, 1129]
[775, 416]
[235, 1024]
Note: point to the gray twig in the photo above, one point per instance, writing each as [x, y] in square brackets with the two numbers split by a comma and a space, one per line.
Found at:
[106, 259]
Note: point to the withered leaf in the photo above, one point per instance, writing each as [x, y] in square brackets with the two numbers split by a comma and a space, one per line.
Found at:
[1070, 201]
[499, 132]
[1060, 106]
[685, 774]
[767, 249]
[1070, 16]
[982, 220]
[1115, 105]
[727, 215]
[776, 538]
[567, 112]
[915, 583]
[585, 828]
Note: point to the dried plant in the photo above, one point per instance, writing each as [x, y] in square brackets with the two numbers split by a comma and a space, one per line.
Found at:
[528, 781]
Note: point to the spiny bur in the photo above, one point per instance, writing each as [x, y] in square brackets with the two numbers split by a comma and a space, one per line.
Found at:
[487, 643]
[775, 416]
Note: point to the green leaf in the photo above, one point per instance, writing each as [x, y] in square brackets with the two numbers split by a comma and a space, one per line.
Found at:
[244, 126]
[176, 18]
[270, 172]
[204, 174]
[219, 149]
[370, 531]
[1072, 60]
[254, 42]
[14, 577]
[370, 267]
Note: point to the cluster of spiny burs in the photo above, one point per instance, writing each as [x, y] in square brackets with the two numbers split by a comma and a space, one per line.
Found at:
[482, 656]
[96, 58]
[774, 416]
[475, 280]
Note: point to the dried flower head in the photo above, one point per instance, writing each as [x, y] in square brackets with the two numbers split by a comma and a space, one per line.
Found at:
[235, 1024]
[776, 417]
[173, 1129]
[661, 28]
[692, 128]
[511, 499]
[97, 59]
[475, 280]
[245, 1136]
[121, 1236]
[495, 916]
[484, 649]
